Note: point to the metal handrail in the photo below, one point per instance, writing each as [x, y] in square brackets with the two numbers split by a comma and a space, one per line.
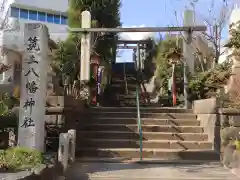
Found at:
[139, 119]
[125, 78]
[138, 85]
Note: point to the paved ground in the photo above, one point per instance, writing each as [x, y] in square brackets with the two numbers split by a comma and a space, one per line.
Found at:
[130, 171]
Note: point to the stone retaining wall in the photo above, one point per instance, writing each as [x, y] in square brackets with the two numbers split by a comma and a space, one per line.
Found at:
[223, 128]
[230, 136]
[206, 110]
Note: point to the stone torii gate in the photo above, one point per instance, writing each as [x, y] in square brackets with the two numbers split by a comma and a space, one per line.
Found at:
[86, 43]
[136, 46]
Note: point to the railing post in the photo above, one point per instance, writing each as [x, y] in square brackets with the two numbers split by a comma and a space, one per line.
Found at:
[63, 150]
[72, 144]
[66, 149]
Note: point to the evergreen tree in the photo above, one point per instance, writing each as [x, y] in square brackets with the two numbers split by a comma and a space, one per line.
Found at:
[104, 13]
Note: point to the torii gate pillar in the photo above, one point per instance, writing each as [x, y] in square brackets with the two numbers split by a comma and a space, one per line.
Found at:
[85, 48]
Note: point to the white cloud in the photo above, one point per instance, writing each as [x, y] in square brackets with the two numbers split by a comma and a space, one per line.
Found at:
[135, 35]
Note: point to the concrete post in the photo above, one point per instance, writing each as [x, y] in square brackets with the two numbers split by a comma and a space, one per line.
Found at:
[72, 140]
[63, 150]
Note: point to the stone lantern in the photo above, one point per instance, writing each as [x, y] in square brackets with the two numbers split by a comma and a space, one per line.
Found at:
[174, 56]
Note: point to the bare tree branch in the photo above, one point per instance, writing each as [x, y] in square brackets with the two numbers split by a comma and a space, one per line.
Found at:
[215, 24]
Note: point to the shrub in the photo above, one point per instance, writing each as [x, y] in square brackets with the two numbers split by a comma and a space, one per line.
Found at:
[209, 81]
[19, 158]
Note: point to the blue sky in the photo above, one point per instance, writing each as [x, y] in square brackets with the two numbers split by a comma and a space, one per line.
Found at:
[148, 12]
[161, 12]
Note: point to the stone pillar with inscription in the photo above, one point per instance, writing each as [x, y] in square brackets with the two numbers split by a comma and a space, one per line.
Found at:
[31, 132]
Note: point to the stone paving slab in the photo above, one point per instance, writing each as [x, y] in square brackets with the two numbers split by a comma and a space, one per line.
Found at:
[134, 171]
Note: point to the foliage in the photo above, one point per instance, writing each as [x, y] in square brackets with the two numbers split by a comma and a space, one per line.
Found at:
[104, 13]
[7, 103]
[164, 69]
[234, 41]
[19, 158]
[201, 84]
[234, 44]
[215, 18]
[206, 82]
[16, 92]
[66, 59]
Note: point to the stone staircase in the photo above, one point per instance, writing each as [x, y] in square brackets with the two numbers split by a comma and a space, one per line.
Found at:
[112, 131]
[125, 90]
[168, 134]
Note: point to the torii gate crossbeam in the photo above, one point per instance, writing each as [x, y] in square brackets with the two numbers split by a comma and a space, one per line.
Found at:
[142, 29]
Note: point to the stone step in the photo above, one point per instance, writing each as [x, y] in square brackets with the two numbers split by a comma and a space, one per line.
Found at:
[121, 75]
[146, 161]
[127, 96]
[144, 121]
[130, 86]
[155, 144]
[145, 128]
[142, 109]
[59, 101]
[146, 135]
[142, 104]
[227, 104]
[132, 102]
[130, 80]
[132, 93]
[122, 90]
[112, 114]
[64, 101]
[163, 154]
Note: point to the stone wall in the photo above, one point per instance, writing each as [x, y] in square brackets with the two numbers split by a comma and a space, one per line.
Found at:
[223, 128]
[65, 114]
[233, 86]
[230, 137]
[206, 110]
